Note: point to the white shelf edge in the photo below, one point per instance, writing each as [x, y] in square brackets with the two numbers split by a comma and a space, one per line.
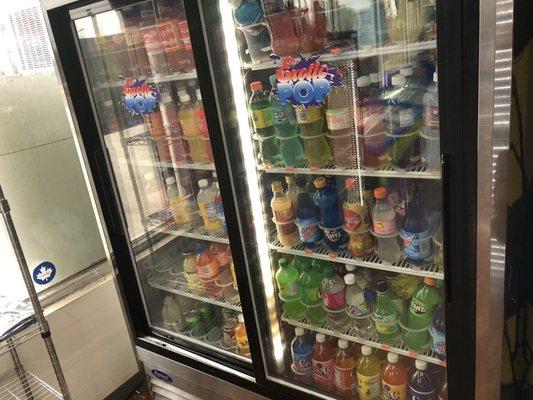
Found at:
[194, 235]
[173, 77]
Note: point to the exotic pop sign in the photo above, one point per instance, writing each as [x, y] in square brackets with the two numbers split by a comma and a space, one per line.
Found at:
[138, 96]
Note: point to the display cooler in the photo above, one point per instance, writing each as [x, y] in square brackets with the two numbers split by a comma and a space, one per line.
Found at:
[297, 194]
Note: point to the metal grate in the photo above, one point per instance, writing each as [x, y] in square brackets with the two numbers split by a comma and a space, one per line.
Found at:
[162, 222]
[25, 385]
[325, 328]
[20, 338]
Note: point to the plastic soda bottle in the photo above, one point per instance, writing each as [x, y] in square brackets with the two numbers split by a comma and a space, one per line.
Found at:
[191, 127]
[298, 262]
[438, 332]
[443, 391]
[292, 192]
[416, 234]
[421, 386]
[431, 109]
[206, 200]
[284, 119]
[322, 359]
[422, 306]
[357, 308]
[355, 211]
[383, 215]
[177, 203]
[332, 291]
[287, 280]
[264, 125]
[301, 348]
[330, 215]
[394, 379]
[171, 313]
[385, 315]
[307, 218]
[243, 347]
[311, 123]
[344, 370]
[310, 280]
[220, 209]
[283, 216]
[206, 262]
[368, 375]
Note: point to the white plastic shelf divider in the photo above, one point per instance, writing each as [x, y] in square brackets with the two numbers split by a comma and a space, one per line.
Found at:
[428, 356]
[29, 387]
[194, 233]
[183, 289]
[374, 262]
[348, 53]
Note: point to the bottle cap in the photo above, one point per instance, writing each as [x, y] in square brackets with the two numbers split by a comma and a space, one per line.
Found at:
[149, 176]
[320, 182]
[257, 85]
[200, 248]
[421, 365]
[369, 296]
[276, 186]
[349, 183]
[382, 287]
[435, 76]
[342, 343]
[407, 71]
[240, 318]
[283, 263]
[186, 253]
[391, 275]
[349, 279]
[320, 338]
[350, 267]
[380, 193]
[299, 331]
[184, 96]
[374, 77]
[392, 358]
[203, 183]
[290, 179]
[363, 81]
[170, 180]
[198, 94]
[398, 80]
[366, 350]
[430, 281]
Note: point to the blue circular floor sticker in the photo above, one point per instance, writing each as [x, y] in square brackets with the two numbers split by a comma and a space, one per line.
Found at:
[44, 273]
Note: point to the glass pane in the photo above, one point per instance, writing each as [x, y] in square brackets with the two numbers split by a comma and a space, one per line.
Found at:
[142, 74]
[338, 123]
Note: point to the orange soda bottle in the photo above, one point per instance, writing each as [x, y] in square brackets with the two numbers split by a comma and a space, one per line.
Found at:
[322, 357]
[394, 379]
[344, 370]
[243, 347]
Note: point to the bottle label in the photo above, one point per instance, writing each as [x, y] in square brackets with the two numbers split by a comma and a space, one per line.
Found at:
[302, 361]
[279, 116]
[334, 235]
[323, 373]
[169, 35]
[286, 215]
[209, 214]
[334, 300]
[345, 378]
[431, 117]
[179, 210]
[420, 309]
[386, 227]
[355, 217]
[209, 270]
[439, 341]
[393, 392]
[369, 387]
[406, 117]
[307, 116]
[289, 289]
[262, 118]
[357, 310]
[152, 43]
[415, 394]
[308, 230]
[386, 324]
[417, 246]
[337, 119]
[184, 34]
[310, 296]
[286, 229]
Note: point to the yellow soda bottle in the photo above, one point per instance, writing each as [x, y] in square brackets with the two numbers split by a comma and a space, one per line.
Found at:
[284, 216]
[368, 375]
[191, 128]
[243, 347]
[311, 124]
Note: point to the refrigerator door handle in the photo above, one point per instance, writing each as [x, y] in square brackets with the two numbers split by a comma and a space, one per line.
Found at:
[446, 217]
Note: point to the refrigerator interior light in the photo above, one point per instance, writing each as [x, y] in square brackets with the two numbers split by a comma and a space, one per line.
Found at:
[252, 178]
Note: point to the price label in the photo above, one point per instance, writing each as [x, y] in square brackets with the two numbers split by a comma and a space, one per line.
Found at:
[308, 250]
[289, 169]
[266, 167]
[412, 354]
[313, 169]
[385, 346]
[332, 255]
[443, 363]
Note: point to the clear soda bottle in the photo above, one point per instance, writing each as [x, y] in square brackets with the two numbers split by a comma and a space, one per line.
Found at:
[292, 192]
[385, 315]
[416, 234]
[357, 308]
[206, 200]
[178, 203]
[384, 222]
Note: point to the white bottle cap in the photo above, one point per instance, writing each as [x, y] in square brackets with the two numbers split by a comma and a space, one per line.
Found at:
[392, 358]
[408, 71]
[298, 331]
[421, 365]
[350, 267]
[343, 344]
[170, 180]
[184, 96]
[240, 318]
[203, 183]
[320, 338]
[366, 350]
[398, 80]
[363, 81]
[435, 76]
[149, 176]
[374, 77]
[349, 279]
[198, 94]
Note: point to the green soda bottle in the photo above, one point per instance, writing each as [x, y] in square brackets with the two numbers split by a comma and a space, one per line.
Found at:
[320, 266]
[263, 125]
[422, 306]
[284, 118]
[289, 289]
[385, 315]
[310, 280]
[298, 263]
[311, 124]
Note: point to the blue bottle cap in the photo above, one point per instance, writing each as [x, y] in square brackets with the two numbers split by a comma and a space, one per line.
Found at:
[200, 248]
[248, 13]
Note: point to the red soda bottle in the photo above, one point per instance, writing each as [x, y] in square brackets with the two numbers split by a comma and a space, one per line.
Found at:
[322, 358]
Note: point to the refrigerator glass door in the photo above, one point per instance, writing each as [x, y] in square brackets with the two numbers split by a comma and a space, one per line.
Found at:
[336, 104]
[141, 72]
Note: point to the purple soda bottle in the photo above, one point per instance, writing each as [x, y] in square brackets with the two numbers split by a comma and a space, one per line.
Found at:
[416, 234]
[421, 385]
[307, 217]
[438, 333]
[330, 215]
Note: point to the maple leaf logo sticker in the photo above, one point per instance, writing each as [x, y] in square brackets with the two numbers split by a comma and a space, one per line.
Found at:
[44, 273]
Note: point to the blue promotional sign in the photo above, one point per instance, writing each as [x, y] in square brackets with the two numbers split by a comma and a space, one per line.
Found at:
[138, 96]
[44, 273]
[161, 375]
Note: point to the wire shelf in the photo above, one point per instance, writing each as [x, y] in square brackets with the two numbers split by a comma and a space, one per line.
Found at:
[325, 328]
[25, 385]
[20, 338]
[158, 78]
[162, 222]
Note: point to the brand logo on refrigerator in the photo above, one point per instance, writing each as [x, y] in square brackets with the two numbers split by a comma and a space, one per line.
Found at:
[138, 96]
[161, 375]
[305, 81]
[44, 273]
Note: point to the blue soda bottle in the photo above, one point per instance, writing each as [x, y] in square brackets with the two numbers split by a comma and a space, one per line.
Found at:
[416, 234]
[301, 348]
[330, 215]
[307, 217]
[421, 386]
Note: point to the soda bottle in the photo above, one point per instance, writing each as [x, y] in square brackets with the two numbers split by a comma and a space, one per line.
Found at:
[330, 215]
[168, 29]
[263, 125]
[320, 266]
[192, 129]
[220, 209]
[202, 122]
[344, 370]
[307, 218]
[208, 210]
[332, 292]
[357, 308]
[421, 386]
[385, 315]
[298, 262]
[301, 348]
[171, 313]
[438, 332]
[178, 203]
[284, 120]
[355, 211]
[206, 263]
[311, 122]
[152, 42]
[375, 84]
[322, 358]
[364, 105]
[416, 234]
[422, 306]
[309, 281]
[383, 215]
[398, 302]
[156, 130]
[394, 379]
[429, 137]
[443, 391]
[292, 192]
[287, 279]
[243, 347]
[368, 375]
[283, 216]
